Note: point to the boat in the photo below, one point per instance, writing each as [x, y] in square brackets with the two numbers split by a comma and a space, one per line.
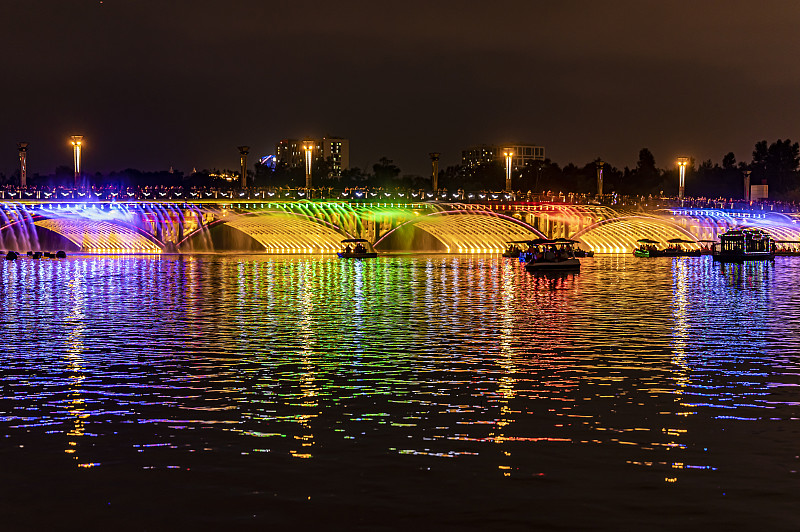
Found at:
[647, 248]
[787, 248]
[552, 256]
[676, 249]
[513, 250]
[360, 249]
[706, 246]
[740, 245]
[579, 253]
[532, 247]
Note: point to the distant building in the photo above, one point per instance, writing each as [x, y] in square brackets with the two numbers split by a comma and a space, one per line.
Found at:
[476, 156]
[334, 150]
[482, 154]
[290, 152]
[759, 192]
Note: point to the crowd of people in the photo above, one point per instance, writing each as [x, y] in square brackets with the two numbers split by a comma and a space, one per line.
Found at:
[359, 248]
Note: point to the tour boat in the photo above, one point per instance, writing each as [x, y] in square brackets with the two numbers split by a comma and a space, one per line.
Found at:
[581, 253]
[555, 255]
[676, 248]
[740, 245]
[360, 249]
[647, 248]
[576, 251]
[513, 250]
[787, 248]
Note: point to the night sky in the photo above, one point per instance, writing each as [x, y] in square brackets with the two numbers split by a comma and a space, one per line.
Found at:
[157, 83]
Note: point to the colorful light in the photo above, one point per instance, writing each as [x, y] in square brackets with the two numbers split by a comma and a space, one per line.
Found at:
[77, 141]
[682, 162]
[508, 154]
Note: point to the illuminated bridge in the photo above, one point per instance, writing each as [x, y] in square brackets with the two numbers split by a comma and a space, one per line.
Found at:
[269, 225]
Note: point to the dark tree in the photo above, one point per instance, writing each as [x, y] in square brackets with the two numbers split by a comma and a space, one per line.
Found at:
[570, 175]
[705, 181]
[732, 180]
[612, 178]
[729, 161]
[385, 173]
[353, 177]
[284, 176]
[414, 182]
[452, 178]
[759, 163]
[490, 176]
[776, 164]
[647, 177]
[540, 176]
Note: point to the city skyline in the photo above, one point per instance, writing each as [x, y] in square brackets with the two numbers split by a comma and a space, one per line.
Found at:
[185, 88]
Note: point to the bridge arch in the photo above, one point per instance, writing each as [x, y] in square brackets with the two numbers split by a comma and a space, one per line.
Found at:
[35, 232]
[271, 231]
[620, 235]
[458, 231]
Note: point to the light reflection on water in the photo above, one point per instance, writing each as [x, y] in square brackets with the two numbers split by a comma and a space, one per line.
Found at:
[584, 389]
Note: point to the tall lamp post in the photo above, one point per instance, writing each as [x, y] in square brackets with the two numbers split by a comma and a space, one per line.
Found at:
[76, 141]
[308, 148]
[599, 165]
[682, 162]
[434, 170]
[23, 164]
[243, 150]
[508, 154]
[747, 186]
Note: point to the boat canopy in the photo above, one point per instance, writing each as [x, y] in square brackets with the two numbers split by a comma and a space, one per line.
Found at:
[345, 241]
[647, 241]
[754, 234]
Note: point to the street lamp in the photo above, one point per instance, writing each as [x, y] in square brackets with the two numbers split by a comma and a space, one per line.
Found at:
[23, 163]
[508, 153]
[76, 141]
[682, 162]
[308, 148]
[599, 164]
[243, 150]
[434, 170]
[747, 185]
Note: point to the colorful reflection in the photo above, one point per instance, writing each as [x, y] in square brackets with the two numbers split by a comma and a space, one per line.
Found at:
[330, 370]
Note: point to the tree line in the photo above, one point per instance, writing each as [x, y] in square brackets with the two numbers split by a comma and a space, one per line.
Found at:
[775, 164]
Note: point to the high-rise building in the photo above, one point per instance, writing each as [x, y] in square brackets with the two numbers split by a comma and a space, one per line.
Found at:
[478, 155]
[334, 150]
[337, 151]
[482, 154]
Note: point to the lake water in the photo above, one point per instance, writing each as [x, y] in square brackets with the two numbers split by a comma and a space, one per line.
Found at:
[405, 392]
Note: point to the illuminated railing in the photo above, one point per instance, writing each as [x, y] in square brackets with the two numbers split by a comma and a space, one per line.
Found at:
[365, 195]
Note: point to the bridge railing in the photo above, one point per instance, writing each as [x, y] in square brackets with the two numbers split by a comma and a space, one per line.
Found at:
[179, 194]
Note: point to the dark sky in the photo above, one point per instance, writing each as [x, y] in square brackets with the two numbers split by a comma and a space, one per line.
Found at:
[158, 83]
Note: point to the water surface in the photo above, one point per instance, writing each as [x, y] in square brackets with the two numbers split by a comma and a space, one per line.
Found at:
[429, 392]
